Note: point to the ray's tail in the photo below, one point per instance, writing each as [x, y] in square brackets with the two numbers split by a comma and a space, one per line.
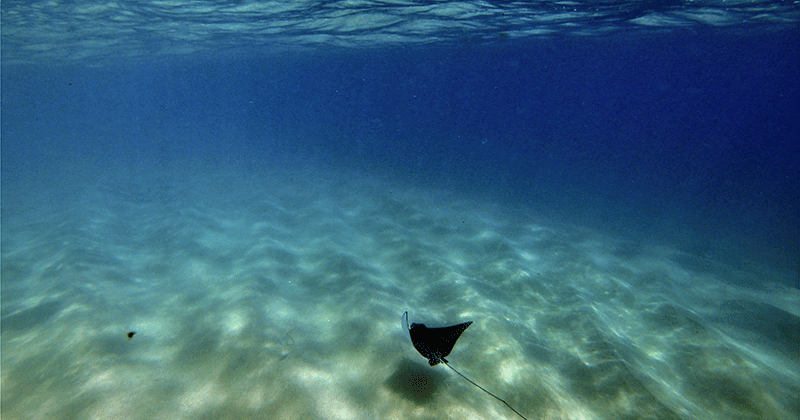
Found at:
[484, 390]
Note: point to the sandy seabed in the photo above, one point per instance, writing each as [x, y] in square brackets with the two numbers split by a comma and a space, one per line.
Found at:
[279, 296]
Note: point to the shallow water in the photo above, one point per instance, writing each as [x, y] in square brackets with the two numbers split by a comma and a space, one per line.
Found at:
[220, 210]
[278, 294]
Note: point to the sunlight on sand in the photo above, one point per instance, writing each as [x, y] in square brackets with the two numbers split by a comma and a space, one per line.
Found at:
[292, 311]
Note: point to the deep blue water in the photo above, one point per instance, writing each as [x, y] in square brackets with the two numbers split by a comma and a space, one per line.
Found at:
[688, 136]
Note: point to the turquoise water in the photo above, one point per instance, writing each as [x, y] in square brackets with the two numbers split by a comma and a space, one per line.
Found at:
[221, 210]
[278, 294]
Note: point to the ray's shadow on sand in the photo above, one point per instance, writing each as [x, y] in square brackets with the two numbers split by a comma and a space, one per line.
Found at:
[415, 382]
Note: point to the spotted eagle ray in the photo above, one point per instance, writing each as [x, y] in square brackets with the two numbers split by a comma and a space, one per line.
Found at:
[436, 343]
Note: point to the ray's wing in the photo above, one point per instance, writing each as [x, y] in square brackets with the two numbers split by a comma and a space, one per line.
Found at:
[436, 343]
[448, 336]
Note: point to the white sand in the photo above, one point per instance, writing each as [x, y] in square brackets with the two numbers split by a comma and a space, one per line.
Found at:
[278, 295]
